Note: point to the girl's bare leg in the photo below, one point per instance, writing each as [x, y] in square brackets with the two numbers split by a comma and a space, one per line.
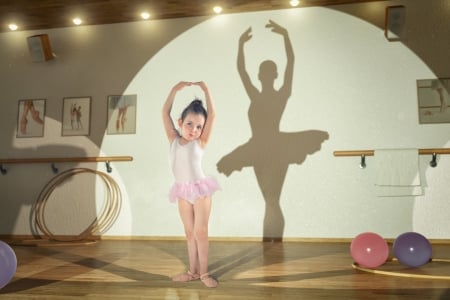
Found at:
[187, 214]
[202, 210]
[195, 220]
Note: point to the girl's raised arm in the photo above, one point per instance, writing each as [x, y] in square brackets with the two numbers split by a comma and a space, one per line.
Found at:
[169, 126]
[207, 128]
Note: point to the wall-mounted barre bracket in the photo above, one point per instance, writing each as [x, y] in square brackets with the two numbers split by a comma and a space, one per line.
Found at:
[362, 165]
[108, 166]
[3, 169]
[433, 162]
[54, 168]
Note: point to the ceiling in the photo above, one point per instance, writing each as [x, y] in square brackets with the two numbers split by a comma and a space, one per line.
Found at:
[45, 14]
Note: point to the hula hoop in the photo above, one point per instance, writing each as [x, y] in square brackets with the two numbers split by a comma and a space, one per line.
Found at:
[401, 274]
[103, 222]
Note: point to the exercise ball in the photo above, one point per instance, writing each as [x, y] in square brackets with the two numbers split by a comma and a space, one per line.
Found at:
[8, 264]
[412, 249]
[369, 250]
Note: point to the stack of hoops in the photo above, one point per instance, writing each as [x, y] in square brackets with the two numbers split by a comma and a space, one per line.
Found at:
[101, 223]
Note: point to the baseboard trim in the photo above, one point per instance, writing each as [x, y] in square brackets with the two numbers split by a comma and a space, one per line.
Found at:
[30, 239]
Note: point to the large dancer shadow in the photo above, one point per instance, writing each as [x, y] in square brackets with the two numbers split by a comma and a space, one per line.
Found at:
[270, 151]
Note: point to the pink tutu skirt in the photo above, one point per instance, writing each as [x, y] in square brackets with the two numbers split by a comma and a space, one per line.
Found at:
[192, 191]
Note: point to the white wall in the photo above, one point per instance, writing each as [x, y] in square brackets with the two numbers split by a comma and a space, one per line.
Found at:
[348, 81]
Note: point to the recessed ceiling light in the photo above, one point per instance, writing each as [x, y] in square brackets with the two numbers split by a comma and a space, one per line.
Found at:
[145, 15]
[77, 21]
[294, 2]
[217, 9]
[13, 26]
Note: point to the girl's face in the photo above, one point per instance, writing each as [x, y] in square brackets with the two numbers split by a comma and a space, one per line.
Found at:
[192, 126]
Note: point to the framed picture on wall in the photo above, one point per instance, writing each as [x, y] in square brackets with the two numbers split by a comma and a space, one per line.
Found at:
[76, 116]
[31, 118]
[433, 100]
[394, 26]
[121, 114]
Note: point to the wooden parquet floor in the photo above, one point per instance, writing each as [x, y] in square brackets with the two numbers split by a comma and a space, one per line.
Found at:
[246, 270]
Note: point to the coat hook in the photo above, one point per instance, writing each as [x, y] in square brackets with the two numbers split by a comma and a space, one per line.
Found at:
[108, 167]
[362, 165]
[433, 162]
[3, 170]
[54, 168]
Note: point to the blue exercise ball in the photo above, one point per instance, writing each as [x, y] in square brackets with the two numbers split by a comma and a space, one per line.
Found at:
[8, 264]
[412, 249]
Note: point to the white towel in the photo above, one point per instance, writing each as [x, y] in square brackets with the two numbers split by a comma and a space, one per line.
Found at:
[397, 172]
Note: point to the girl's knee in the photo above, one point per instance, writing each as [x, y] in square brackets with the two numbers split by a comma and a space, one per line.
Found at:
[201, 233]
[189, 233]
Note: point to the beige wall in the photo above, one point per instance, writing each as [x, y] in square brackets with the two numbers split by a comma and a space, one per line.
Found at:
[349, 81]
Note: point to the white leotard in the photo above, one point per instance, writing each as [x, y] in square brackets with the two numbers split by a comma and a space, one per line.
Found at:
[186, 161]
[190, 181]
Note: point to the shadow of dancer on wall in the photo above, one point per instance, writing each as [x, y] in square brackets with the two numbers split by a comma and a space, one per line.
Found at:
[269, 151]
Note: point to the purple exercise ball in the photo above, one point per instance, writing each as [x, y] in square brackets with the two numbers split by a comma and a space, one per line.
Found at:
[412, 249]
[8, 264]
[369, 250]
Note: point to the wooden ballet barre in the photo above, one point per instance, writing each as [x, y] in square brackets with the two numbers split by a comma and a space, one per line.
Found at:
[53, 160]
[431, 151]
[363, 153]
[354, 153]
[64, 159]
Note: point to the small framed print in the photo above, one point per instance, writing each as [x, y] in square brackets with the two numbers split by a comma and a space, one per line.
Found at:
[76, 116]
[31, 118]
[433, 96]
[121, 114]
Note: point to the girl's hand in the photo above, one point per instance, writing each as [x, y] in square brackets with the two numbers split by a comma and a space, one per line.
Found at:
[201, 84]
[180, 85]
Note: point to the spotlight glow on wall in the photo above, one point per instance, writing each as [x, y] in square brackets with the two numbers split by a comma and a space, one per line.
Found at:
[294, 2]
[77, 21]
[217, 9]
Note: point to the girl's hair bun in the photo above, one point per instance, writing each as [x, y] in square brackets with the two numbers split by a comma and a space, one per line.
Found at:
[196, 102]
[196, 106]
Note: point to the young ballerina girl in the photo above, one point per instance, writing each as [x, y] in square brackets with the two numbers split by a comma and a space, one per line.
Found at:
[192, 188]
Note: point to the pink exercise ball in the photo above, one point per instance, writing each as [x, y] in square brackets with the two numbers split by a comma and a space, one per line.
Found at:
[412, 249]
[369, 250]
[8, 264]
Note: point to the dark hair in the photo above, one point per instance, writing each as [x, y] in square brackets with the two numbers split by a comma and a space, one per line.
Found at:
[195, 107]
